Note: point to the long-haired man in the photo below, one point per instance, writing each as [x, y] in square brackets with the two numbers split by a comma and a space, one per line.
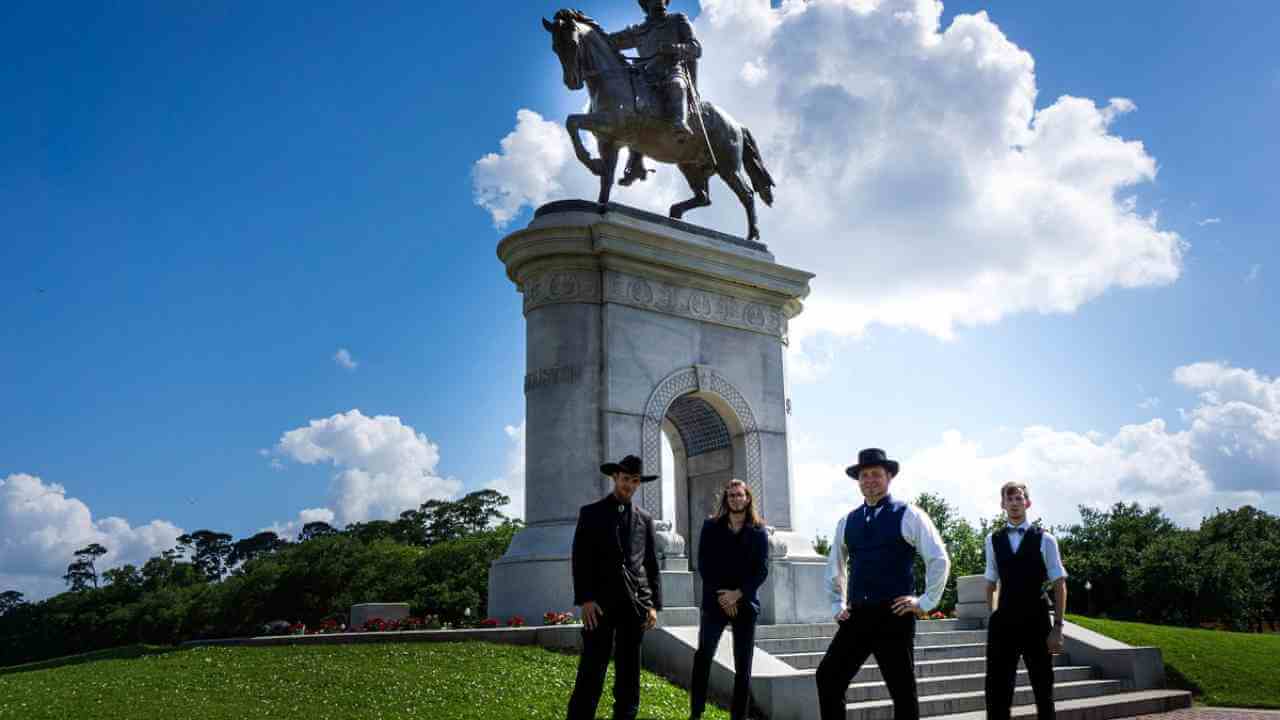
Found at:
[733, 561]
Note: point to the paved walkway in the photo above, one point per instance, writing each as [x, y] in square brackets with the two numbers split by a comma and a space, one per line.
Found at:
[1212, 713]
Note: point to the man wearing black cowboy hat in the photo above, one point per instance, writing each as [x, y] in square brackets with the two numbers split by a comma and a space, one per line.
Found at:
[617, 583]
[870, 582]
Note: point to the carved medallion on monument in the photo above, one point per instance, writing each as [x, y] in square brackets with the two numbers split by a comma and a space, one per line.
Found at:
[696, 303]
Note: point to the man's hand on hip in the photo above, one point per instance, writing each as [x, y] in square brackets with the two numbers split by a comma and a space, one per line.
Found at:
[907, 605]
[651, 621]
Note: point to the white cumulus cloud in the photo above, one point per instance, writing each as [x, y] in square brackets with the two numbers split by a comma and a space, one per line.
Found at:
[289, 531]
[384, 467]
[532, 169]
[1227, 456]
[915, 171]
[511, 483]
[41, 527]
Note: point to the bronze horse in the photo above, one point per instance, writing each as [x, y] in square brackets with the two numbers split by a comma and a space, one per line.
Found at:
[624, 111]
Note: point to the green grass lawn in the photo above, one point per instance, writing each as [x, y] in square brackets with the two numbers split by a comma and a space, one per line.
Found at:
[446, 681]
[1221, 668]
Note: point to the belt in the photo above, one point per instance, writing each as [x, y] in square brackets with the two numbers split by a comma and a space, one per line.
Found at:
[871, 605]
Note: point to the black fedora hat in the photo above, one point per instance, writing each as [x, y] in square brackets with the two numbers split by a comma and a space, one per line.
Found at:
[630, 465]
[872, 457]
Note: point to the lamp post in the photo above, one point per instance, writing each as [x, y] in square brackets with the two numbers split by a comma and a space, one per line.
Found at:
[1088, 591]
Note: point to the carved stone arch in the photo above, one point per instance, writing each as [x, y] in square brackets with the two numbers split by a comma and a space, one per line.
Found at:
[705, 380]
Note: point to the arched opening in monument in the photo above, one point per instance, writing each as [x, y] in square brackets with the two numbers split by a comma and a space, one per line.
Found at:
[706, 442]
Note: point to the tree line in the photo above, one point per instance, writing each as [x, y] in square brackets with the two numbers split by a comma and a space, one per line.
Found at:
[1128, 562]
[435, 557]
[1125, 562]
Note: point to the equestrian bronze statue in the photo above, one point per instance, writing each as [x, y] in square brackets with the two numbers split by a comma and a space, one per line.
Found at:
[650, 104]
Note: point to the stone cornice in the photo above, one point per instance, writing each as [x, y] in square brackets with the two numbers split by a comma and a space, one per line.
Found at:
[617, 238]
[690, 273]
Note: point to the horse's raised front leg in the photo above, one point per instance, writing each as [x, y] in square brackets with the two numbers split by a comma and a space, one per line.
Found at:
[608, 165]
[575, 124]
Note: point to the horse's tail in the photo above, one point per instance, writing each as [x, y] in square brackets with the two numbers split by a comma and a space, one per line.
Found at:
[761, 181]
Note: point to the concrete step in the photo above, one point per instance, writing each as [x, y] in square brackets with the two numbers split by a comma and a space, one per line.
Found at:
[950, 703]
[678, 616]
[877, 690]
[1103, 707]
[782, 632]
[923, 627]
[803, 660]
[820, 644]
[935, 668]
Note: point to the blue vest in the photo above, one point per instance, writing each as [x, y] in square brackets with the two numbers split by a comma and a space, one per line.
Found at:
[880, 561]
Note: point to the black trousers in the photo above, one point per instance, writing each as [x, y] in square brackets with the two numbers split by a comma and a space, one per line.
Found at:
[617, 635]
[1010, 637]
[710, 629]
[872, 630]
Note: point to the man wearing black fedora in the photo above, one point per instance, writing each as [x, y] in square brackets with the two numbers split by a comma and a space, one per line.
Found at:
[617, 583]
[871, 586]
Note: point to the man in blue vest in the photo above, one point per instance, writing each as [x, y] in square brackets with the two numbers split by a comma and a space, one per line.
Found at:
[871, 586]
[1021, 558]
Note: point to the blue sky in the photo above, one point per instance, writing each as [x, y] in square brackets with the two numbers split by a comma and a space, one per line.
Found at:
[201, 204]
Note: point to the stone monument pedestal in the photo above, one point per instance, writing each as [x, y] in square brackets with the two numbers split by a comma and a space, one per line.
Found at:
[637, 327]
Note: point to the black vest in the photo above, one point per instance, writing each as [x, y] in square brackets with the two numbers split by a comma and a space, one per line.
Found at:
[1022, 574]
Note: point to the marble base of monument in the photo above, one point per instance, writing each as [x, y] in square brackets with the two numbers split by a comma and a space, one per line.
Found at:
[639, 327]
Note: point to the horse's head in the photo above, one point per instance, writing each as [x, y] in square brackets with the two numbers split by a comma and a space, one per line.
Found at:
[566, 41]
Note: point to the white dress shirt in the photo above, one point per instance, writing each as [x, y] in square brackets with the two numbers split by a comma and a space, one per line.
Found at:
[918, 530]
[1048, 551]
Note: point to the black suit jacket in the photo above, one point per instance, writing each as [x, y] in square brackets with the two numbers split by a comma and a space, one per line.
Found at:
[600, 571]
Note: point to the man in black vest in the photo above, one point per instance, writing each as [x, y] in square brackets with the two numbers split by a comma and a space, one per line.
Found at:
[1021, 558]
[617, 583]
[870, 582]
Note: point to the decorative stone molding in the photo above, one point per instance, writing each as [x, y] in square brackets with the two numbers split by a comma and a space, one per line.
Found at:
[699, 378]
[695, 303]
[561, 286]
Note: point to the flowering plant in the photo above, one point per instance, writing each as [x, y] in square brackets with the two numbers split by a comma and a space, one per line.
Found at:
[515, 621]
[559, 618]
[327, 627]
[298, 629]
[937, 615]
[489, 623]
[380, 625]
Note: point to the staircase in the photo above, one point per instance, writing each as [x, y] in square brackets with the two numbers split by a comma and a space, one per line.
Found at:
[950, 676]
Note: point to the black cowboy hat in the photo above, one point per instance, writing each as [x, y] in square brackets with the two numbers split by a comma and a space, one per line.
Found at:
[630, 465]
[872, 457]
